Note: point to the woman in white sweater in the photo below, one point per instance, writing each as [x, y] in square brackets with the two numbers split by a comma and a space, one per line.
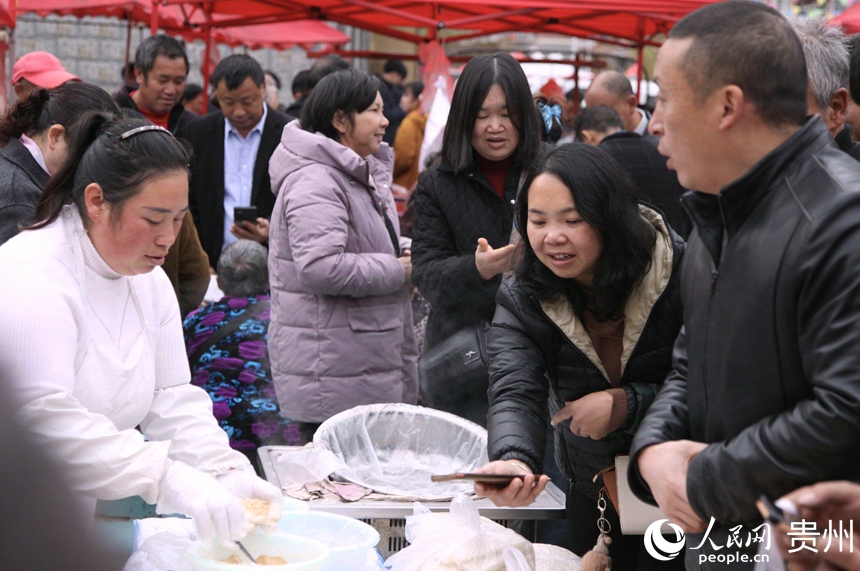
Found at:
[91, 335]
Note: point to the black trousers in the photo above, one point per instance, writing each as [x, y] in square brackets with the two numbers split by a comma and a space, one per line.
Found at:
[627, 551]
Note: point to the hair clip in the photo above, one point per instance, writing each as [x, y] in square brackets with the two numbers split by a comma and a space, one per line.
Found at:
[136, 130]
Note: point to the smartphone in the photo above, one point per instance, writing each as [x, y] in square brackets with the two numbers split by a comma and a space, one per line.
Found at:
[492, 479]
[771, 512]
[242, 213]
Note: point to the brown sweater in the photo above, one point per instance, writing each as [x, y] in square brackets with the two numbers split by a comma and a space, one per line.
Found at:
[607, 338]
[187, 266]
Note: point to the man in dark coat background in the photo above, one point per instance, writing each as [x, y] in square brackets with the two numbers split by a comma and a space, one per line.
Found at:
[827, 67]
[658, 186]
[763, 394]
[391, 90]
[232, 148]
[161, 68]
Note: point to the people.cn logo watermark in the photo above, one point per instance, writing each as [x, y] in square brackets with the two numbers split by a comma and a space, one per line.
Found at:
[658, 547]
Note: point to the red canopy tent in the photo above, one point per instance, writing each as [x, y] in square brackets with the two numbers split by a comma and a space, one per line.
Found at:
[175, 21]
[277, 35]
[629, 23]
[625, 22]
[849, 20]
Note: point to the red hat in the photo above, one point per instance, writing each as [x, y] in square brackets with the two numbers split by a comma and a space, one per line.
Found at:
[42, 70]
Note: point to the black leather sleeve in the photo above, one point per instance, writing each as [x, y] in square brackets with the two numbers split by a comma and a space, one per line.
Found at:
[817, 438]
[518, 386]
[666, 419]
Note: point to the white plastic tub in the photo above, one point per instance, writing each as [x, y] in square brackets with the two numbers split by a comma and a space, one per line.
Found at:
[348, 539]
[301, 553]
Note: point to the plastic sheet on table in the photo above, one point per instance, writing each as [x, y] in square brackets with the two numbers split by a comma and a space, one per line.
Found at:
[395, 448]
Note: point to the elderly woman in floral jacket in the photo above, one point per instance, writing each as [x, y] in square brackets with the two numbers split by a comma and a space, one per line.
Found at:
[226, 345]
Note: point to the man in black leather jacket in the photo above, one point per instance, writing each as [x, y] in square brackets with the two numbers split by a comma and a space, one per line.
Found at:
[765, 392]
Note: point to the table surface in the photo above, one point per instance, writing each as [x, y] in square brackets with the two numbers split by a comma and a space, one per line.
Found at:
[548, 505]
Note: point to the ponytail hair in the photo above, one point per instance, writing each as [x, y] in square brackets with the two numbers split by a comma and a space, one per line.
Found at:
[98, 153]
[59, 106]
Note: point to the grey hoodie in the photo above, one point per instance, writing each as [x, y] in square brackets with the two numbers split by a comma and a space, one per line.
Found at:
[341, 329]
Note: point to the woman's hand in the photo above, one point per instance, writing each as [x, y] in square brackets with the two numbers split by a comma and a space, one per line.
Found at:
[492, 262]
[520, 492]
[248, 231]
[589, 416]
[406, 261]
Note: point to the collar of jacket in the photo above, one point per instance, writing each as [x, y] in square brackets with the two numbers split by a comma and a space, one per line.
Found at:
[16, 153]
[639, 304]
[123, 99]
[308, 148]
[736, 201]
[512, 183]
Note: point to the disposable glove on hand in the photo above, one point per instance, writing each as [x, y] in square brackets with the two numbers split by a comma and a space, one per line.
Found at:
[247, 486]
[213, 508]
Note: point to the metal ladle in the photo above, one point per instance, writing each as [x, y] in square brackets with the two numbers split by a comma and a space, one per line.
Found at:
[247, 554]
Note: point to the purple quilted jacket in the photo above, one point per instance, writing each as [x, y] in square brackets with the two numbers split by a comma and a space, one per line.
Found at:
[341, 329]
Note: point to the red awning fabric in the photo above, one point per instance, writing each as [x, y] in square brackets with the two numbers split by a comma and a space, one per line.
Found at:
[7, 13]
[628, 22]
[849, 20]
[174, 20]
[282, 35]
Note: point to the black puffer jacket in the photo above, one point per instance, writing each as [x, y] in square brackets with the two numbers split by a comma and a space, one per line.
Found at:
[539, 350]
[767, 368]
[451, 212]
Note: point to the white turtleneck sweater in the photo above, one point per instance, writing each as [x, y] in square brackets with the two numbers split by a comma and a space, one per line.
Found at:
[69, 327]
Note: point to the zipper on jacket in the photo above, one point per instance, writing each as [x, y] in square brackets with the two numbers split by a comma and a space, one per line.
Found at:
[714, 275]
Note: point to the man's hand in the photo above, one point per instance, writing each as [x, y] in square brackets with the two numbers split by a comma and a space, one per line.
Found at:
[664, 466]
[258, 232]
[826, 504]
[520, 492]
[492, 262]
[589, 416]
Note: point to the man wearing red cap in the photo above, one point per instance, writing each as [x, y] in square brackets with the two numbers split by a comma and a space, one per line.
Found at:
[38, 69]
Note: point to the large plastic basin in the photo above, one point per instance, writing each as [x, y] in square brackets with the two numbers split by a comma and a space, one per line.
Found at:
[347, 538]
[301, 553]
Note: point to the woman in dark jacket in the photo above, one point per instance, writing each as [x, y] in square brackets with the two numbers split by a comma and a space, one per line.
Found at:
[583, 333]
[464, 207]
[491, 135]
[33, 140]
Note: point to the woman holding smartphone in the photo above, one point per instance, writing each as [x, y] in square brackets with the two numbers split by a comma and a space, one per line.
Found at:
[583, 334]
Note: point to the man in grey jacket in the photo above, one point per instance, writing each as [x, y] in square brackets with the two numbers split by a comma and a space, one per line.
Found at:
[764, 393]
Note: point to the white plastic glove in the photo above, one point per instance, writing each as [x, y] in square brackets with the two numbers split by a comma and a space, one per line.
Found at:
[244, 484]
[213, 508]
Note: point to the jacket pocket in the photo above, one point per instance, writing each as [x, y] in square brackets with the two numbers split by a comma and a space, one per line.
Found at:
[374, 318]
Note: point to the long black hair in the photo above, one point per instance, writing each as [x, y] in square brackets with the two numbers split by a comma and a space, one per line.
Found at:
[479, 75]
[98, 153]
[59, 106]
[606, 198]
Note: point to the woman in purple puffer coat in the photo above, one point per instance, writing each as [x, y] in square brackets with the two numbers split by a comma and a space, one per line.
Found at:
[341, 330]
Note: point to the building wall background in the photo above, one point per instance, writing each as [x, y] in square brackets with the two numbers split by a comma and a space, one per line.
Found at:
[94, 49]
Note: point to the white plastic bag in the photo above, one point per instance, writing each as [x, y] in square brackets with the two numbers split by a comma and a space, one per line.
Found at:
[457, 541]
[516, 561]
[394, 448]
[164, 551]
